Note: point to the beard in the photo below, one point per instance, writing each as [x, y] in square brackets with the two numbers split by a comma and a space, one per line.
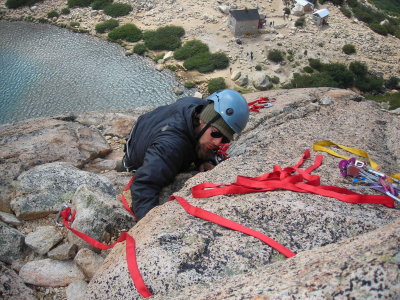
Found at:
[203, 153]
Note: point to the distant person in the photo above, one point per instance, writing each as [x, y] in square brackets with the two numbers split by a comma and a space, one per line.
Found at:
[172, 138]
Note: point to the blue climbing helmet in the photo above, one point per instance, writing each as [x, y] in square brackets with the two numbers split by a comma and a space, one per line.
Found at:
[232, 107]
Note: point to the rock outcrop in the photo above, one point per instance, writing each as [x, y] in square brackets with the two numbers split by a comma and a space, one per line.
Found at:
[343, 250]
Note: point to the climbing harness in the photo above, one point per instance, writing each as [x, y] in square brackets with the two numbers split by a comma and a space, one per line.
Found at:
[262, 102]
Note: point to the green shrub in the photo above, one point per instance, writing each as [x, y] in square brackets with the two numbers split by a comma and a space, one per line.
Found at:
[164, 38]
[349, 49]
[358, 68]
[190, 49]
[117, 9]
[127, 32]
[79, 3]
[74, 24]
[313, 80]
[380, 29]
[308, 69]
[258, 68]
[219, 60]
[101, 4]
[106, 25]
[200, 62]
[43, 20]
[52, 14]
[316, 64]
[189, 84]
[352, 3]
[275, 55]
[65, 11]
[216, 84]
[369, 83]
[392, 83]
[171, 30]
[173, 68]
[346, 12]
[19, 3]
[392, 98]
[340, 74]
[274, 79]
[300, 22]
[286, 11]
[139, 49]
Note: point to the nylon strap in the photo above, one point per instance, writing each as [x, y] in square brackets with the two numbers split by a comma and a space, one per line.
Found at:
[321, 146]
[286, 179]
[130, 251]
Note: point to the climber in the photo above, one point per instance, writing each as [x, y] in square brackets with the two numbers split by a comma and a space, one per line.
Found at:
[174, 137]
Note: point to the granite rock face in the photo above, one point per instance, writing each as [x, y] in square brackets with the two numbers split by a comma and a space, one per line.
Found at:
[176, 251]
[27, 144]
[343, 250]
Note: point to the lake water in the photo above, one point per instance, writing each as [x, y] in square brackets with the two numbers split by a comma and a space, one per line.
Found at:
[46, 70]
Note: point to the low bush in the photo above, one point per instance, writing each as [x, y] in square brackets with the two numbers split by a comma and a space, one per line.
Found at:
[200, 62]
[101, 4]
[53, 14]
[369, 83]
[65, 11]
[74, 24]
[346, 12]
[359, 69]
[275, 55]
[300, 22]
[139, 49]
[216, 84]
[127, 32]
[190, 49]
[106, 25]
[340, 74]
[19, 3]
[43, 20]
[164, 38]
[308, 69]
[392, 83]
[316, 64]
[117, 9]
[189, 84]
[219, 60]
[349, 49]
[173, 68]
[274, 79]
[380, 29]
[258, 68]
[79, 3]
[392, 98]
[313, 80]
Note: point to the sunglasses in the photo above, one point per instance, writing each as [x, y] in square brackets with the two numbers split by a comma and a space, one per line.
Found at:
[217, 134]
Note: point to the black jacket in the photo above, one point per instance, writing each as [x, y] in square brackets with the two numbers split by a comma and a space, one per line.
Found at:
[160, 145]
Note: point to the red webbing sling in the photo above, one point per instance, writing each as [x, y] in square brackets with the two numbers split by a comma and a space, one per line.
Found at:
[285, 179]
[130, 251]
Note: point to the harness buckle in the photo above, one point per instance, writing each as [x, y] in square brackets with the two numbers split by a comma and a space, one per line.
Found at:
[58, 216]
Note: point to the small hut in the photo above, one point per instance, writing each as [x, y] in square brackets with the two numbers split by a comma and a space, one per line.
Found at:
[245, 21]
[320, 17]
[306, 5]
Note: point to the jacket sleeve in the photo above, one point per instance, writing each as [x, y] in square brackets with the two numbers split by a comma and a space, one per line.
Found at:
[162, 162]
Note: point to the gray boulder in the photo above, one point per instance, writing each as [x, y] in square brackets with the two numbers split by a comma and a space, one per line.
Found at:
[12, 246]
[44, 189]
[261, 81]
[98, 215]
[43, 239]
[26, 144]
[12, 286]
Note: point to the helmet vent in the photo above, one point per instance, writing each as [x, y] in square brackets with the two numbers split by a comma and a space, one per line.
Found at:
[229, 111]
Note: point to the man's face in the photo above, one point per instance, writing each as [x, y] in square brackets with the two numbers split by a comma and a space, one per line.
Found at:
[207, 142]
